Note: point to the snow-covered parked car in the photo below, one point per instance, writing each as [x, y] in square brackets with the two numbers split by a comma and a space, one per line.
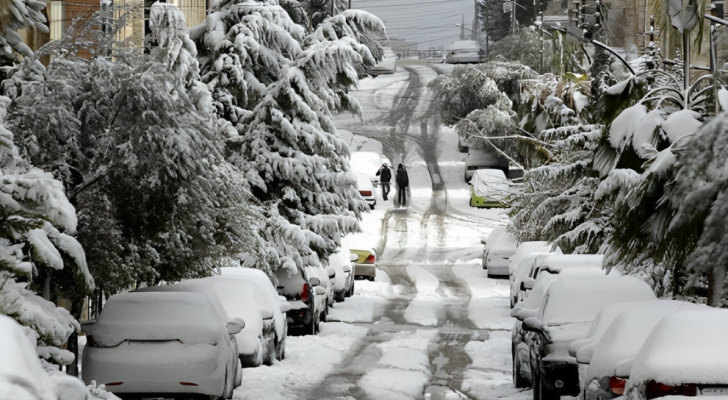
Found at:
[463, 52]
[685, 354]
[366, 189]
[344, 279]
[268, 297]
[22, 376]
[304, 295]
[489, 188]
[162, 344]
[524, 250]
[533, 265]
[566, 314]
[483, 159]
[489, 242]
[387, 65]
[620, 341]
[367, 163]
[242, 299]
[325, 276]
[500, 254]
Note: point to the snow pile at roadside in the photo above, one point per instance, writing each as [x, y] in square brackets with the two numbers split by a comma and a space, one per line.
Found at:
[309, 359]
[404, 368]
[489, 304]
[427, 306]
[489, 376]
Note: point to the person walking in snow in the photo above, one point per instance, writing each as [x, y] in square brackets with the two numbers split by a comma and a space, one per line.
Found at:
[402, 180]
[385, 176]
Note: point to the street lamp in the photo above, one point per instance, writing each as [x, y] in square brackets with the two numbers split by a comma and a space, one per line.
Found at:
[513, 14]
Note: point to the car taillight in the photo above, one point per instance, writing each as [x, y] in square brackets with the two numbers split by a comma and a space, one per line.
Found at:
[91, 342]
[617, 385]
[365, 192]
[655, 390]
[304, 293]
[370, 259]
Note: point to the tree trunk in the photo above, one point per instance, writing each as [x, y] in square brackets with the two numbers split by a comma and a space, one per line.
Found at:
[716, 282]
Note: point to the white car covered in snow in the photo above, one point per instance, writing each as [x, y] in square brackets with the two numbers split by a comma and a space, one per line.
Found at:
[524, 250]
[621, 341]
[387, 65]
[685, 354]
[162, 344]
[498, 258]
[566, 314]
[490, 242]
[341, 261]
[305, 295]
[22, 376]
[269, 298]
[241, 299]
[535, 264]
[463, 52]
[366, 189]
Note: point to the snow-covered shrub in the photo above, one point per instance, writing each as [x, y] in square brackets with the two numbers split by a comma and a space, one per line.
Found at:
[278, 87]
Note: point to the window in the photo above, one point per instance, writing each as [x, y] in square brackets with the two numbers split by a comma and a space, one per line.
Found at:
[57, 18]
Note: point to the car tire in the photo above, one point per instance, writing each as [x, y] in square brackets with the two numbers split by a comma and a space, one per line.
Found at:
[312, 327]
[544, 393]
[518, 380]
[372, 206]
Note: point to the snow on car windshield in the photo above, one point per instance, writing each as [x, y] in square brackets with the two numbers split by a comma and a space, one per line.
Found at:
[188, 317]
[491, 183]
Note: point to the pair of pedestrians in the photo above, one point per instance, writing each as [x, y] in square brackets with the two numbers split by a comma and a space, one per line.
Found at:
[402, 180]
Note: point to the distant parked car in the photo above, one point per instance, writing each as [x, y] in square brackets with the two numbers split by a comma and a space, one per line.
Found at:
[489, 188]
[162, 344]
[565, 315]
[22, 376]
[483, 159]
[304, 294]
[388, 64]
[326, 276]
[367, 163]
[462, 147]
[621, 341]
[524, 250]
[270, 297]
[531, 267]
[344, 280]
[490, 242]
[683, 356]
[500, 254]
[366, 265]
[462, 52]
[366, 189]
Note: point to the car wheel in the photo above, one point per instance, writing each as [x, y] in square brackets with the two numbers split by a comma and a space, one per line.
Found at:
[281, 349]
[371, 206]
[518, 380]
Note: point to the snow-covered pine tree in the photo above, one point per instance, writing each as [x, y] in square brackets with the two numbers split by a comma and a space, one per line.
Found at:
[278, 87]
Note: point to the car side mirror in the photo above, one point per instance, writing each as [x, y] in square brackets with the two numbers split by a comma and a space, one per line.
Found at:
[284, 306]
[319, 290]
[314, 282]
[235, 325]
[532, 324]
[347, 268]
[266, 313]
[87, 326]
[68, 387]
[528, 283]
[624, 368]
[482, 241]
[354, 257]
[331, 271]
[576, 345]
[584, 355]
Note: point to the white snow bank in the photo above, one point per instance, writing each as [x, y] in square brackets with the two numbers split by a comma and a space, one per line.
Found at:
[394, 384]
[686, 347]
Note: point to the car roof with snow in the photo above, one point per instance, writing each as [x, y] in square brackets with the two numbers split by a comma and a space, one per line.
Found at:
[685, 347]
[558, 262]
[627, 332]
[189, 317]
[494, 235]
[491, 183]
[505, 242]
[464, 45]
[579, 299]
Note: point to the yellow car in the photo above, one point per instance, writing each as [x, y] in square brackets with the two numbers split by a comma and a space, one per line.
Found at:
[365, 266]
[489, 189]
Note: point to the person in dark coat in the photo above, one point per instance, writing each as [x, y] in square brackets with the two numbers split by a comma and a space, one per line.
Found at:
[402, 180]
[385, 177]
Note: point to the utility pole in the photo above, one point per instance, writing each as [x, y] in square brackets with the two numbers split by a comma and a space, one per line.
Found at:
[515, 5]
[462, 29]
[349, 4]
[485, 28]
[332, 7]
[475, 22]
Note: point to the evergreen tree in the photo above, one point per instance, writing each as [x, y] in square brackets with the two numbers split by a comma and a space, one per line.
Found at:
[278, 86]
[493, 20]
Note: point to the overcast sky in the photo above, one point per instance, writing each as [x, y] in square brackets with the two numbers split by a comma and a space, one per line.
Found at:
[423, 20]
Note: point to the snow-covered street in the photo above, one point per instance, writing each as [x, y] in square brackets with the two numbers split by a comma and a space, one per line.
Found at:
[431, 325]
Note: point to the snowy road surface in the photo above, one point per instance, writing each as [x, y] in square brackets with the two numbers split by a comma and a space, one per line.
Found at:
[431, 325]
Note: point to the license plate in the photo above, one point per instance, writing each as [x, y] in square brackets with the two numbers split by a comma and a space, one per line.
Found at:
[714, 391]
